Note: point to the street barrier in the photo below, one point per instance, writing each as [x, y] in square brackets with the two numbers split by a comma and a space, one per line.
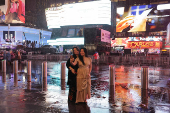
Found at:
[4, 66]
[144, 98]
[3, 77]
[15, 67]
[44, 74]
[15, 79]
[63, 70]
[111, 74]
[144, 77]
[117, 60]
[111, 83]
[29, 85]
[29, 71]
[44, 69]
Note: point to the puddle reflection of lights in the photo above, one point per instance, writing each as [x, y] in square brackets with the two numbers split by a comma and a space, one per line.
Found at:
[25, 69]
[23, 77]
[5, 86]
[12, 75]
[36, 80]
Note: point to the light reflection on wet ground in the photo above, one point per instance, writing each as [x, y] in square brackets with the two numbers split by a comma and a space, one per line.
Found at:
[20, 96]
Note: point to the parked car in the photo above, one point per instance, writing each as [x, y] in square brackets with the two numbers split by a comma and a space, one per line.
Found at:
[48, 49]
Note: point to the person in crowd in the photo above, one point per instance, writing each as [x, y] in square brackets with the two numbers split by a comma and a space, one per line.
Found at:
[19, 56]
[96, 57]
[4, 54]
[12, 55]
[83, 76]
[72, 74]
[2, 17]
[16, 11]
[8, 57]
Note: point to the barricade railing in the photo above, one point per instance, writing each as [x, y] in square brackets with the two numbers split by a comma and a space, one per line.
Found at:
[140, 60]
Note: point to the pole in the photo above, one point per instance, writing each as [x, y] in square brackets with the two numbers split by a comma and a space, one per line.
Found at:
[15, 67]
[4, 66]
[144, 98]
[44, 74]
[15, 71]
[63, 84]
[8, 32]
[144, 77]
[29, 71]
[111, 83]
[15, 79]
[44, 69]
[111, 75]
[3, 77]
[39, 37]
[63, 70]
[29, 85]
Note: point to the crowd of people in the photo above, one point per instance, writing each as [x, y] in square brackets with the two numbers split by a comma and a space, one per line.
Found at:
[11, 55]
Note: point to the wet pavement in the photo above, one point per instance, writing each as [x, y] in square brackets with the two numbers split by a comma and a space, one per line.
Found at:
[19, 96]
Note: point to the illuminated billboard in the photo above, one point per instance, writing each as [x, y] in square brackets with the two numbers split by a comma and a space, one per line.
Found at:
[66, 41]
[93, 12]
[12, 12]
[143, 18]
[105, 36]
[144, 44]
[125, 41]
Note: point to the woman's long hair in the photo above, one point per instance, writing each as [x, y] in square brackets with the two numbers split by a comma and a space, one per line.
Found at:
[81, 57]
[74, 55]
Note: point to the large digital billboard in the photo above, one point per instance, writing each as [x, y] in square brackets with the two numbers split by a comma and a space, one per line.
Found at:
[93, 12]
[12, 12]
[143, 18]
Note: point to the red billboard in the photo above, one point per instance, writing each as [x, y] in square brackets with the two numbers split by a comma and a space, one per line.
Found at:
[144, 44]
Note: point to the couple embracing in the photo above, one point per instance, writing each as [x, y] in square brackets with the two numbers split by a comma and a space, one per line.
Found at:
[79, 78]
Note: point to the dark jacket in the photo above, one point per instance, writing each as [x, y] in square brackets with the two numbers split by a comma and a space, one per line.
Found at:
[71, 77]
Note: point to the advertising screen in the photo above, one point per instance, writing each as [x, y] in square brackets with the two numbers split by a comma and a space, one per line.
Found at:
[13, 11]
[124, 41]
[144, 44]
[93, 12]
[143, 18]
[105, 36]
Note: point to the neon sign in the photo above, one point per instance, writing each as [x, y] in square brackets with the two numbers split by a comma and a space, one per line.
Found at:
[144, 44]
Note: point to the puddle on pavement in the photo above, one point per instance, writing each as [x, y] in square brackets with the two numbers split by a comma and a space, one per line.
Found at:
[51, 96]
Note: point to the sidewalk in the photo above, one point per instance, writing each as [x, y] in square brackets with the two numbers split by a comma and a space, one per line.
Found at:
[23, 97]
